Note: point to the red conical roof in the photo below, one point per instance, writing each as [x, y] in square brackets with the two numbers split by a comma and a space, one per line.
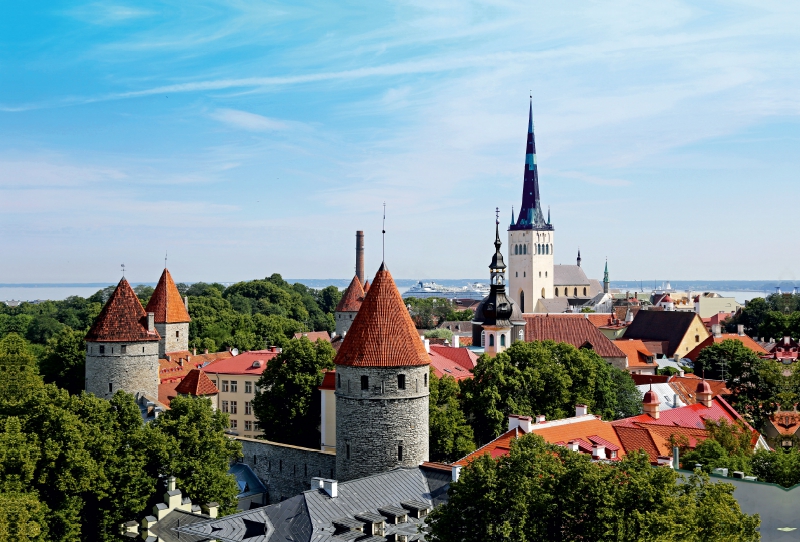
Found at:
[703, 387]
[382, 333]
[352, 298]
[166, 302]
[366, 287]
[122, 319]
[650, 398]
[196, 382]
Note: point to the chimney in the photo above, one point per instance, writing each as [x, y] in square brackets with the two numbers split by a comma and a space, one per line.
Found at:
[210, 509]
[526, 422]
[716, 329]
[205, 350]
[331, 487]
[317, 483]
[427, 345]
[651, 405]
[740, 330]
[676, 458]
[674, 400]
[194, 351]
[513, 421]
[186, 302]
[456, 472]
[598, 451]
[581, 410]
[360, 256]
[151, 321]
[680, 372]
[456, 342]
[171, 483]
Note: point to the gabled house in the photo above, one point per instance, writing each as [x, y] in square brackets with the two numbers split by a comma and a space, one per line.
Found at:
[717, 337]
[668, 333]
[579, 332]
[639, 360]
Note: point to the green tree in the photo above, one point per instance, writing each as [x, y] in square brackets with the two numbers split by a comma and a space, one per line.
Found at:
[750, 317]
[781, 466]
[144, 293]
[190, 444]
[287, 401]
[64, 360]
[451, 437]
[774, 326]
[541, 378]
[439, 334]
[541, 491]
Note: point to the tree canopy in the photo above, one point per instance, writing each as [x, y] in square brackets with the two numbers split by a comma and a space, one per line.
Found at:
[451, 437]
[544, 378]
[287, 401]
[541, 491]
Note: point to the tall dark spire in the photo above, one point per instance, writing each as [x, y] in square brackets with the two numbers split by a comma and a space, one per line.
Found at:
[530, 215]
[579, 257]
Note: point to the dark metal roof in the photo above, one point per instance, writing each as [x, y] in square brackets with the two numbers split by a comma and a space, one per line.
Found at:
[416, 505]
[370, 517]
[249, 483]
[347, 523]
[393, 511]
[165, 528]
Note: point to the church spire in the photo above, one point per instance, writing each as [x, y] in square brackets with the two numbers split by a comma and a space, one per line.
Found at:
[605, 278]
[579, 257]
[530, 215]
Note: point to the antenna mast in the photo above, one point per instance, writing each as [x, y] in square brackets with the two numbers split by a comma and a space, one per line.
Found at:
[383, 232]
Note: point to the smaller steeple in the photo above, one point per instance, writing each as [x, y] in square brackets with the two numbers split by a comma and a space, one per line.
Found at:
[497, 267]
[605, 278]
[512, 215]
[579, 257]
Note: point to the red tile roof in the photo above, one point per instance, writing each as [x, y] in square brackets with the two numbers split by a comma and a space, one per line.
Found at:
[122, 319]
[636, 352]
[196, 383]
[352, 297]
[366, 287]
[496, 448]
[649, 379]
[638, 438]
[243, 364]
[328, 381]
[587, 430]
[464, 357]
[176, 365]
[689, 382]
[578, 332]
[166, 302]
[382, 333]
[166, 392]
[444, 366]
[313, 336]
[744, 339]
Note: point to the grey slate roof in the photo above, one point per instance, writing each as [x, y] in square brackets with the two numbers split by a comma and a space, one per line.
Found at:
[165, 528]
[249, 484]
[554, 304]
[308, 517]
[569, 275]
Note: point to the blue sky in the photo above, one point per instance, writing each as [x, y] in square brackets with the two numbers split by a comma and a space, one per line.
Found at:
[247, 138]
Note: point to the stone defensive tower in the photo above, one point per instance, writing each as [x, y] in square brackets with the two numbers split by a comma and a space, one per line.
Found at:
[382, 387]
[122, 348]
[348, 306]
[171, 315]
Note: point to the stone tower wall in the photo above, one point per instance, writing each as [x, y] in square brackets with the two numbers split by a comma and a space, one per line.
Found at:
[135, 371]
[169, 341]
[376, 421]
[530, 273]
[343, 321]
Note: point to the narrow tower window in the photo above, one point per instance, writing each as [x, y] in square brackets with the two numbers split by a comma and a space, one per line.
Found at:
[400, 452]
[556, 292]
[123, 348]
[364, 382]
[502, 340]
[339, 380]
[575, 292]
[401, 382]
[109, 387]
[522, 301]
[425, 380]
[491, 339]
[524, 249]
[347, 447]
[102, 349]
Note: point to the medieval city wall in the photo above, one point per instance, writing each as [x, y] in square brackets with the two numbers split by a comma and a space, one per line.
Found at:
[286, 470]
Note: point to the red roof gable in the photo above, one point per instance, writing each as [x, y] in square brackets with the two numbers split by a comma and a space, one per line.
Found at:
[122, 319]
[166, 302]
[313, 336]
[444, 366]
[579, 332]
[248, 363]
[196, 383]
[352, 297]
[464, 357]
[744, 339]
[382, 333]
[328, 381]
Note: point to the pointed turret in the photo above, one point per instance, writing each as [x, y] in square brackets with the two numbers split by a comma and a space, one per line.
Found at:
[123, 319]
[605, 279]
[530, 214]
[171, 315]
[579, 257]
[348, 306]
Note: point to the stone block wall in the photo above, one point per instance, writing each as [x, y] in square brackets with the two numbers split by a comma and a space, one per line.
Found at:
[343, 321]
[286, 470]
[376, 422]
[170, 342]
[134, 371]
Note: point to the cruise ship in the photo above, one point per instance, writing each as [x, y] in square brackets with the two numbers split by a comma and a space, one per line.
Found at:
[474, 290]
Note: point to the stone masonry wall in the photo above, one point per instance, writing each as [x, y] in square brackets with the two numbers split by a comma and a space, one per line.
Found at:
[286, 470]
[135, 371]
[343, 321]
[375, 422]
[169, 342]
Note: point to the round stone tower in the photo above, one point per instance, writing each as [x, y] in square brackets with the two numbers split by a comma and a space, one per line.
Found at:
[122, 348]
[382, 387]
[171, 316]
[349, 305]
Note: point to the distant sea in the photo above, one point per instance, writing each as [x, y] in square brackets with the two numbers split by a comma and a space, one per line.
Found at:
[742, 290]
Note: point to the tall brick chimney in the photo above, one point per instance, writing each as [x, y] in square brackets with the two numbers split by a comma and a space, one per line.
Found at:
[360, 255]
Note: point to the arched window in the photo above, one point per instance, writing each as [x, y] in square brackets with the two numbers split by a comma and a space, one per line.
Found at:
[502, 340]
[521, 301]
[556, 292]
[542, 293]
[525, 249]
[547, 247]
[575, 292]
[516, 249]
[584, 290]
[491, 339]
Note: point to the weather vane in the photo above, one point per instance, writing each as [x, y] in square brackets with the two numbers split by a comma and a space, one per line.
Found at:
[123, 270]
[383, 233]
[497, 215]
[165, 259]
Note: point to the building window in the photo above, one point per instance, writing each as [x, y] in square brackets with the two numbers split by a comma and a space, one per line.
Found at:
[224, 406]
[548, 249]
[516, 274]
[697, 338]
[425, 380]
[522, 302]
[491, 339]
[234, 424]
[540, 276]
[364, 382]
[483, 338]
[347, 450]
[400, 452]
[556, 292]
[524, 249]
[123, 349]
[516, 250]
[524, 274]
[102, 349]
[584, 291]
[545, 274]
[255, 426]
[224, 385]
[248, 387]
[110, 387]
[248, 425]
[234, 385]
[575, 292]
[233, 407]
[542, 293]
[401, 382]
[502, 340]
[338, 381]
[177, 334]
[248, 407]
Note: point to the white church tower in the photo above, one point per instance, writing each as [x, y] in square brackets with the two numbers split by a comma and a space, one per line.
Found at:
[530, 239]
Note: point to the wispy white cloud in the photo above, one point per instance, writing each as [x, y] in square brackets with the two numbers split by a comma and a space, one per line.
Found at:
[249, 121]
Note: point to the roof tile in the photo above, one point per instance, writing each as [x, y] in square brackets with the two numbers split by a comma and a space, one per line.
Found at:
[166, 302]
[196, 383]
[352, 297]
[575, 331]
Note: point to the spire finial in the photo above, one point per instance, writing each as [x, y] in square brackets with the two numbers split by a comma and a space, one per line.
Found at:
[123, 270]
[165, 259]
[383, 233]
